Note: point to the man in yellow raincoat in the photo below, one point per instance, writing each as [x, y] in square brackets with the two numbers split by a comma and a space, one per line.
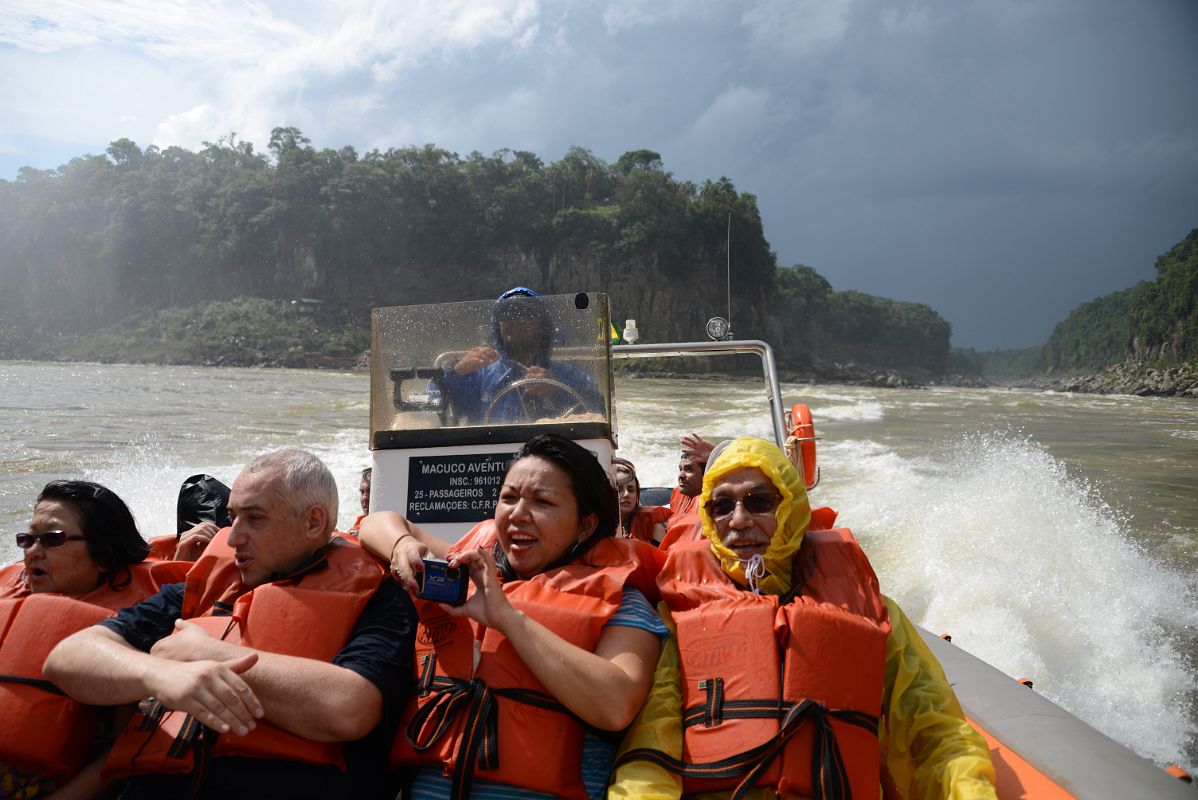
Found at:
[797, 678]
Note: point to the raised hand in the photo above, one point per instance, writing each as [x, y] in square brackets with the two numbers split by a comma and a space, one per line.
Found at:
[192, 542]
[696, 446]
[488, 605]
[475, 359]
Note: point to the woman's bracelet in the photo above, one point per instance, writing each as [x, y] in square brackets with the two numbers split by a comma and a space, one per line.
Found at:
[397, 541]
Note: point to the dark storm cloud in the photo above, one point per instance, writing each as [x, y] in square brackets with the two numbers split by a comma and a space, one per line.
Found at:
[1002, 170]
[1000, 162]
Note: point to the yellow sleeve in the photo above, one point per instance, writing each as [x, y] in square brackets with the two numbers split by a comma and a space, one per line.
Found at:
[658, 726]
[931, 751]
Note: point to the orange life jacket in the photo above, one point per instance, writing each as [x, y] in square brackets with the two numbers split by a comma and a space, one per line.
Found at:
[682, 526]
[310, 614]
[497, 722]
[163, 547]
[44, 731]
[644, 520]
[12, 581]
[683, 503]
[143, 581]
[779, 694]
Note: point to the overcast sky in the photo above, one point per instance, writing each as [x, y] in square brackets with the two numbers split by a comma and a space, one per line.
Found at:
[999, 160]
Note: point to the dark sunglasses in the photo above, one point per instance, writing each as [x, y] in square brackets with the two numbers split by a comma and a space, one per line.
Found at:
[48, 539]
[763, 503]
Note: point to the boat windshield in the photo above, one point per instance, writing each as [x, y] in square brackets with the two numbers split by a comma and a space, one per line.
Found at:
[490, 371]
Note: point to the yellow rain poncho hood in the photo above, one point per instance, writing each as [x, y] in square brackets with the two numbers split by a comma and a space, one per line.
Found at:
[793, 513]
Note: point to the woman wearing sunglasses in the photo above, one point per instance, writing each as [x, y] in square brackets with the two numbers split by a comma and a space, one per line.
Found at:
[82, 542]
[83, 560]
[789, 674]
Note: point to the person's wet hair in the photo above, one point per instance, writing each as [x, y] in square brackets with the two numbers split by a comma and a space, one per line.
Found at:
[113, 540]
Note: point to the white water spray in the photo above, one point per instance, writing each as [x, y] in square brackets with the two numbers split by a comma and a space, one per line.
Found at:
[1031, 571]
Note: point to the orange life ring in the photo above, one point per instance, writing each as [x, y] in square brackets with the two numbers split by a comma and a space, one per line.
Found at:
[802, 430]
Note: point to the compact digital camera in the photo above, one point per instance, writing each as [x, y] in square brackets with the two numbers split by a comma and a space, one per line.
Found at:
[442, 583]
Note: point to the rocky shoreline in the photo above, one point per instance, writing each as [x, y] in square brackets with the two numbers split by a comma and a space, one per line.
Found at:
[1133, 379]
[824, 372]
[1180, 380]
[859, 375]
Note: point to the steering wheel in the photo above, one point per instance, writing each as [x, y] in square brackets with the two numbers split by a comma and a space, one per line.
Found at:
[574, 402]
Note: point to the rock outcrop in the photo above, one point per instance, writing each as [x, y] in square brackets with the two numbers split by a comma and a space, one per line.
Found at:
[1180, 380]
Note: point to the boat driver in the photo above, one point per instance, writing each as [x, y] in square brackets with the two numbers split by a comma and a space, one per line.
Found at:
[520, 356]
[331, 662]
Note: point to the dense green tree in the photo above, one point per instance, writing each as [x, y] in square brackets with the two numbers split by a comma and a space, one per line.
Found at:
[647, 160]
[1094, 334]
[891, 332]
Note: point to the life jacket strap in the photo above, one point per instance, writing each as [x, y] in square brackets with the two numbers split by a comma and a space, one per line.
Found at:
[37, 683]
[191, 731]
[152, 711]
[186, 743]
[713, 709]
[428, 672]
[479, 745]
[829, 778]
[221, 608]
[712, 713]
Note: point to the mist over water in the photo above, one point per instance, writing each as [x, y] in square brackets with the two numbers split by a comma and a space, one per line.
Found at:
[1054, 536]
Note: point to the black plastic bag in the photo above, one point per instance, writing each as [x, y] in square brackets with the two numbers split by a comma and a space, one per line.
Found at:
[202, 498]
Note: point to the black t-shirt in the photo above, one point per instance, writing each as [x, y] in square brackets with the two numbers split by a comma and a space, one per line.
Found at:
[379, 649]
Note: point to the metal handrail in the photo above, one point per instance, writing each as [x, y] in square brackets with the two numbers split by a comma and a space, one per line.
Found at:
[734, 347]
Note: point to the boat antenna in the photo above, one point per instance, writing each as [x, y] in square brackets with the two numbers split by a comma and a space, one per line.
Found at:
[729, 270]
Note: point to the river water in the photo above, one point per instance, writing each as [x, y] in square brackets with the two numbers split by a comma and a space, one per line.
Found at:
[1054, 535]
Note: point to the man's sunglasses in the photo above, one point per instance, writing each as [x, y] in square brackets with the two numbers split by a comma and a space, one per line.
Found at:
[48, 539]
[764, 503]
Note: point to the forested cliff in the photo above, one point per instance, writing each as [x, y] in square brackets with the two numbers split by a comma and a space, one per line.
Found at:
[1141, 340]
[113, 239]
[1154, 321]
